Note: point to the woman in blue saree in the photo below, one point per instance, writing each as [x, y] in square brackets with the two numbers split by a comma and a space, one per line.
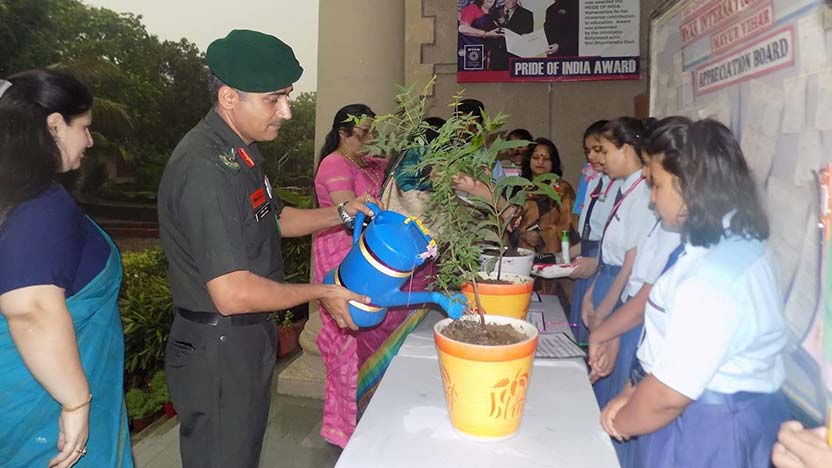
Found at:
[61, 341]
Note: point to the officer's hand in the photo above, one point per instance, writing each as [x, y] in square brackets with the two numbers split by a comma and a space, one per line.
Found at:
[335, 301]
[360, 204]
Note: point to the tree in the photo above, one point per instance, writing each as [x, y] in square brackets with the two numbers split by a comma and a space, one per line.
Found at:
[20, 20]
[149, 93]
[290, 158]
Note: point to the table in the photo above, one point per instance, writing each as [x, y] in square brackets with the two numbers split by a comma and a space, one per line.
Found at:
[406, 423]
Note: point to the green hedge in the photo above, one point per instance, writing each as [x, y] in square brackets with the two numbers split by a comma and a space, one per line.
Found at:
[146, 313]
[147, 307]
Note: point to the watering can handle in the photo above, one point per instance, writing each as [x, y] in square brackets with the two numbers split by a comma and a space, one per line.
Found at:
[359, 221]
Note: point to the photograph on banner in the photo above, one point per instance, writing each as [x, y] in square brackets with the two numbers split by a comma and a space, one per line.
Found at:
[547, 40]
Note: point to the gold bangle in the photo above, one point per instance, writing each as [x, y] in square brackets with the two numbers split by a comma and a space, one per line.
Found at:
[76, 408]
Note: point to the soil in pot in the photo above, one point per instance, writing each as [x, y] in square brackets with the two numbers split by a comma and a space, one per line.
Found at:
[493, 281]
[490, 334]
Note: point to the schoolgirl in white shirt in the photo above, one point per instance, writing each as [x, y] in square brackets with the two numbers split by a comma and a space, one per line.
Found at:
[704, 391]
[628, 222]
[597, 202]
[604, 343]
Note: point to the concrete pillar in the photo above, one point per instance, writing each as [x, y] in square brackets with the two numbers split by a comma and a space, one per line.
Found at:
[360, 60]
[360, 57]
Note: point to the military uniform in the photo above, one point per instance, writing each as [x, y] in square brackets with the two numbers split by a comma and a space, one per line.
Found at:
[217, 214]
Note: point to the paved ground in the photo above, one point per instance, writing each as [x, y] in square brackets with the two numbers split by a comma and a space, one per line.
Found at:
[292, 438]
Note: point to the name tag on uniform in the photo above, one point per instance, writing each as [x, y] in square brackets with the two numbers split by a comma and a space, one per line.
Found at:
[260, 204]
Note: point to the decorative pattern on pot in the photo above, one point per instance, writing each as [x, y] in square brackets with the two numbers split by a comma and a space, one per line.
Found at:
[509, 396]
[485, 386]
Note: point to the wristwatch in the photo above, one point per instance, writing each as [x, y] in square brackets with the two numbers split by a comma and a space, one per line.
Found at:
[346, 219]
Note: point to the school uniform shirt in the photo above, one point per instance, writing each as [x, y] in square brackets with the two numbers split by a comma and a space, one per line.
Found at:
[714, 321]
[602, 207]
[628, 225]
[651, 257]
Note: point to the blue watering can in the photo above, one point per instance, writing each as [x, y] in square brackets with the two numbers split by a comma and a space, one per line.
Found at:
[382, 259]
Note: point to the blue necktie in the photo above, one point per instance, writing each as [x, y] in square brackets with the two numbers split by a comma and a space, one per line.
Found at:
[594, 199]
[613, 213]
[671, 260]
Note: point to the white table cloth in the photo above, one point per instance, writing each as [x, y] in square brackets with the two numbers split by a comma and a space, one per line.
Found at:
[406, 423]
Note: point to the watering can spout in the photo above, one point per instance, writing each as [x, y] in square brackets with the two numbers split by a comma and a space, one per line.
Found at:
[454, 305]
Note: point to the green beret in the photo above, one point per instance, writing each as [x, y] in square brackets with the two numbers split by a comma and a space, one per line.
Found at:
[253, 62]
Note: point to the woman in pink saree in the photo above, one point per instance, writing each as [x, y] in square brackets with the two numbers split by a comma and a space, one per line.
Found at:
[354, 360]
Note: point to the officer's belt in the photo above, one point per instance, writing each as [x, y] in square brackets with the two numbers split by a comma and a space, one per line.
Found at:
[213, 318]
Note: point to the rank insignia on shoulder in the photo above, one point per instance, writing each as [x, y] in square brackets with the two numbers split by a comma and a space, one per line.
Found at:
[229, 160]
[244, 154]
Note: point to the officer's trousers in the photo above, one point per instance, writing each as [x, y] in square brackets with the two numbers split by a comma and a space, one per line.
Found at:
[220, 378]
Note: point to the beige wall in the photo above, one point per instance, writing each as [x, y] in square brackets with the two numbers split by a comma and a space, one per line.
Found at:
[360, 59]
[560, 111]
[365, 50]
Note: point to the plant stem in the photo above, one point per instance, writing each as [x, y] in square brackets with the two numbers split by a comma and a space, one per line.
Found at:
[477, 299]
[500, 229]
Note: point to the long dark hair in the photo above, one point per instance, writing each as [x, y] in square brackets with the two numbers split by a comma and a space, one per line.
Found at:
[713, 176]
[628, 131]
[30, 158]
[342, 121]
[557, 168]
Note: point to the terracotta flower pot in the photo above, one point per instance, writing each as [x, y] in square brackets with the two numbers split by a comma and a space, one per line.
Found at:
[137, 424]
[287, 340]
[169, 410]
[510, 300]
[485, 386]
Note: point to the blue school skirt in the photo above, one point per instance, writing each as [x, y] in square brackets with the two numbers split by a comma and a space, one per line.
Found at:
[610, 386]
[715, 431]
[588, 249]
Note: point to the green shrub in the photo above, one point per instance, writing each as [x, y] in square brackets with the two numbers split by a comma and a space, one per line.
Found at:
[140, 265]
[285, 319]
[159, 388]
[140, 403]
[146, 313]
[297, 251]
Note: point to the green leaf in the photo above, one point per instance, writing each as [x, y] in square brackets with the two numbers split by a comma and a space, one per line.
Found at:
[547, 178]
[488, 235]
[548, 191]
